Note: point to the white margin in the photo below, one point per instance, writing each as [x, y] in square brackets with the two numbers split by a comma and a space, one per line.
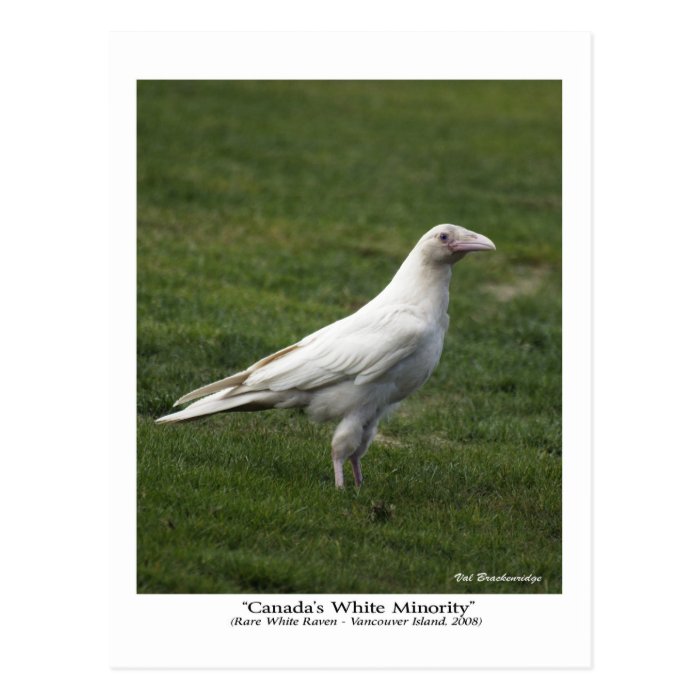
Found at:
[192, 631]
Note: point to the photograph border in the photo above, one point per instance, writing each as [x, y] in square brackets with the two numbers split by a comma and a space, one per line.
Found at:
[193, 631]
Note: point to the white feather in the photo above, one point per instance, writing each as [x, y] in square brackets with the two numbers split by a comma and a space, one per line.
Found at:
[359, 367]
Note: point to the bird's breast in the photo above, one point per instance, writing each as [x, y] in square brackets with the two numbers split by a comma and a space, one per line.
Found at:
[413, 371]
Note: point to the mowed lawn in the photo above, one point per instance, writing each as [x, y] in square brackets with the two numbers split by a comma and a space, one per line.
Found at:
[269, 209]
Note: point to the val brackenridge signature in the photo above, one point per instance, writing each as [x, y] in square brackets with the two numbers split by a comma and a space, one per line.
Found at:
[483, 577]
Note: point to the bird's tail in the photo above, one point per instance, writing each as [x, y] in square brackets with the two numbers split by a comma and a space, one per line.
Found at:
[219, 402]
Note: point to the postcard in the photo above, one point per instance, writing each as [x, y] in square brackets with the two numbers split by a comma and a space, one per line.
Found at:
[351, 350]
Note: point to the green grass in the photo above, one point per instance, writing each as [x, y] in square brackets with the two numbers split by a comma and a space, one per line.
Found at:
[268, 209]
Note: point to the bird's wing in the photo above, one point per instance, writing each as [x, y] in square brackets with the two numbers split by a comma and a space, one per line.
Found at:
[235, 380]
[362, 347]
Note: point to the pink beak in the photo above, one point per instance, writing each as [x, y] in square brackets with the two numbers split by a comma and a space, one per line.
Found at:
[471, 242]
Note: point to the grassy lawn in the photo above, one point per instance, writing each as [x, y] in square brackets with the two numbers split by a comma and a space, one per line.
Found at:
[269, 209]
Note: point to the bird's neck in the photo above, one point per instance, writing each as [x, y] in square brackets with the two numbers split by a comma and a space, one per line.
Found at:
[421, 283]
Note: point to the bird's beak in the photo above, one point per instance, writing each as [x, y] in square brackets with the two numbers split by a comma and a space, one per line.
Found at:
[470, 242]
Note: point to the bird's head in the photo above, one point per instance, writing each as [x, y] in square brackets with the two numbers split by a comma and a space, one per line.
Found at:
[448, 243]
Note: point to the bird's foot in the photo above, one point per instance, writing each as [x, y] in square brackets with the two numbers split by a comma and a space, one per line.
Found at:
[338, 468]
[356, 471]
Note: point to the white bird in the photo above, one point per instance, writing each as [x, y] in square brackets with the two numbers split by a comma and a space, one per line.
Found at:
[359, 368]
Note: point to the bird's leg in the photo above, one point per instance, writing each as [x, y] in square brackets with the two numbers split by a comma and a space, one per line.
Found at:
[368, 433]
[338, 468]
[346, 440]
[356, 469]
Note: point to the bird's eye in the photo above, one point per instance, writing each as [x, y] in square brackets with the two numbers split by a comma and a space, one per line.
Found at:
[443, 236]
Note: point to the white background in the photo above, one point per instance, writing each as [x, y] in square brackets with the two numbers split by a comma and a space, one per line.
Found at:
[519, 631]
[54, 284]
